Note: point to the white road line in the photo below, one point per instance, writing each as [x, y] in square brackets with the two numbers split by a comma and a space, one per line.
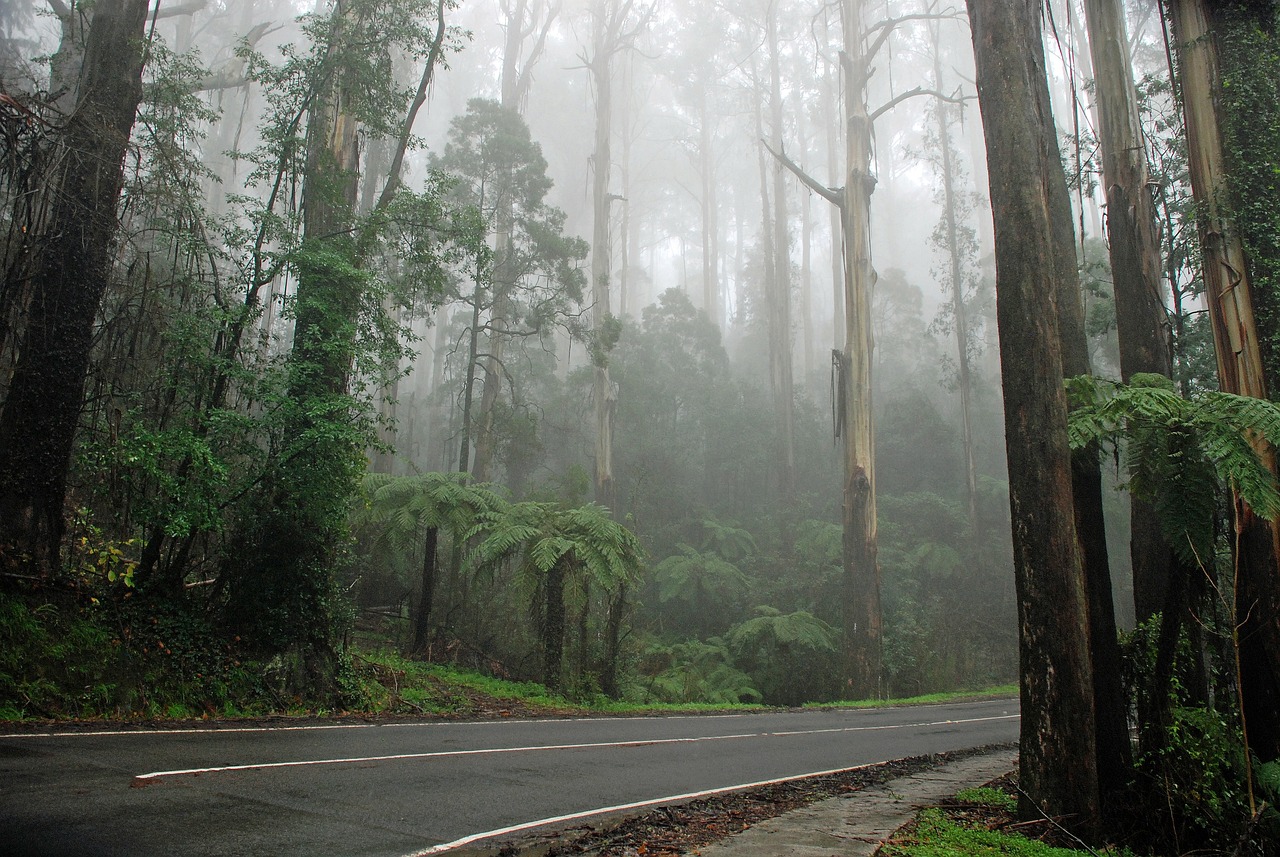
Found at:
[122, 733]
[144, 779]
[623, 807]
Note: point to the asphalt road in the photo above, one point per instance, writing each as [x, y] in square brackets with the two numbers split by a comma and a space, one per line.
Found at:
[403, 789]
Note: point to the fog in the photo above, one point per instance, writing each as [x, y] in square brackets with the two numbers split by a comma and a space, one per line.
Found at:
[721, 271]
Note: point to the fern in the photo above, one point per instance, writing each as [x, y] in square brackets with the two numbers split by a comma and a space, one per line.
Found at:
[1182, 453]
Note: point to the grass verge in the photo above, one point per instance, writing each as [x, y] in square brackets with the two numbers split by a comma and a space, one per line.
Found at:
[982, 822]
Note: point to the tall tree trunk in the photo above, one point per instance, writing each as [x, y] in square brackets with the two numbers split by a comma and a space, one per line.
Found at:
[809, 370]
[778, 299]
[523, 20]
[1228, 293]
[955, 271]
[618, 608]
[863, 620]
[832, 104]
[1111, 728]
[607, 26]
[710, 204]
[72, 268]
[1058, 768]
[469, 381]
[1134, 244]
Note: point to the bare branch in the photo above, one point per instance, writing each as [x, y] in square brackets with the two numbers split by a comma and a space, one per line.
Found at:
[831, 195]
[188, 8]
[419, 98]
[525, 76]
[884, 29]
[912, 93]
[234, 72]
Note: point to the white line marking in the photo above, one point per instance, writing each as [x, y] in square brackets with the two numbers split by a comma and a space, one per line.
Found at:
[144, 779]
[623, 807]
[434, 724]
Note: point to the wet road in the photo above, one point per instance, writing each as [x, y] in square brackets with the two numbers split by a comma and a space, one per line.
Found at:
[401, 789]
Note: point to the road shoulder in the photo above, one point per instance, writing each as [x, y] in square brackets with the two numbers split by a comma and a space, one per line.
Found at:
[857, 824]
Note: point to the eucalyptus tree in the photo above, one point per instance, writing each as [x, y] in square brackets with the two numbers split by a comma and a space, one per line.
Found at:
[863, 621]
[65, 271]
[535, 283]
[778, 292]
[1136, 264]
[615, 27]
[1237, 258]
[1059, 763]
[955, 240]
[291, 531]
[525, 20]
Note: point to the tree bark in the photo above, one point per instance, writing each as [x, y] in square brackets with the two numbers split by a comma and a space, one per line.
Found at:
[553, 622]
[955, 272]
[710, 204]
[863, 622]
[1111, 726]
[778, 298]
[1228, 293]
[1058, 767]
[422, 617]
[618, 608]
[1134, 245]
[75, 256]
[606, 42]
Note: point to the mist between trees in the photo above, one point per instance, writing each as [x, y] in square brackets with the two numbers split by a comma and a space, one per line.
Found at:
[663, 351]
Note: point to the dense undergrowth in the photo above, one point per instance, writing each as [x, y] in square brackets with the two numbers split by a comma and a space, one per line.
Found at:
[93, 659]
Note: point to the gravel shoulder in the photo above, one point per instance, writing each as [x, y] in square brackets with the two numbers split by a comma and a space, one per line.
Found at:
[851, 813]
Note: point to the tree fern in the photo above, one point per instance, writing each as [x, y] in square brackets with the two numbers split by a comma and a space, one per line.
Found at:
[1181, 453]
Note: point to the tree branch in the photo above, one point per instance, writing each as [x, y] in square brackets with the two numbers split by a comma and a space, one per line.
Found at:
[912, 93]
[419, 98]
[188, 8]
[884, 29]
[234, 72]
[831, 195]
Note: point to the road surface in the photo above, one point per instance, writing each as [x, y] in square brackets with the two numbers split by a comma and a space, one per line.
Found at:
[399, 789]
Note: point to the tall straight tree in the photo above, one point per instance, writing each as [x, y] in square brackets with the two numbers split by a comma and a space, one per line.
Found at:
[778, 297]
[1058, 764]
[862, 617]
[73, 257]
[279, 575]
[950, 235]
[1136, 266]
[615, 26]
[1229, 295]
